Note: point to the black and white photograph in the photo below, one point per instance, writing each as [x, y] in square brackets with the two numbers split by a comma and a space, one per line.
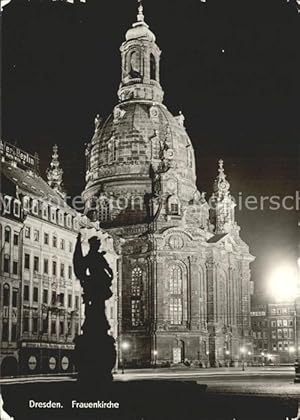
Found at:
[150, 210]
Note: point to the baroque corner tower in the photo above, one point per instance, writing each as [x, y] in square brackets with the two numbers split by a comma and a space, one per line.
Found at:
[183, 269]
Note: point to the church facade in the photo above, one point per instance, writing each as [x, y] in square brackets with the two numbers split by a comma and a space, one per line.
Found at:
[184, 272]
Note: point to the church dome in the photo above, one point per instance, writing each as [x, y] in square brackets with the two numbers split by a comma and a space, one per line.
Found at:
[140, 30]
[137, 136]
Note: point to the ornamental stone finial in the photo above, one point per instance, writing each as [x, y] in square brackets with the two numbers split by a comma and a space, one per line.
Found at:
[140, 15]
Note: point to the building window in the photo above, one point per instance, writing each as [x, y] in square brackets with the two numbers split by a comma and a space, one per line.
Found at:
[62, 244]
[45, 296]
[70, 247]
[45, 212]
[175, 306]
[26, 324]
[16, 239]
[15, 267]
[274, 347]
[35, 208]
[152, 67]
[273, 324]
[46, 266]
[62, 299]
[53, 327]
[36, 235]
[14, 332]
[54, 268]
[5, 331]
[285, 322]
[6, 264]
[15, 298]
[27, 261]
[35, 294]
[46, 239]
[54, 242]
[69, 301]
[7, 233]
[176, 291]
[27, 232]
[279, 323]
[173, 206]
[104, 211]
[36, 263]
[34, 325]
[136, 312]
[45, 326]
[6, 295]
[26, 292]
[61, 328]
[53, 298]
[76, 302]
[17, 208]
[279, 332]
[290, 323]
[175, 286]
[136, 282]
[70, 271]
[62, 270]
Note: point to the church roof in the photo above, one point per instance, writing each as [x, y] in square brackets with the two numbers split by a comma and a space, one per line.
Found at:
[216, 238]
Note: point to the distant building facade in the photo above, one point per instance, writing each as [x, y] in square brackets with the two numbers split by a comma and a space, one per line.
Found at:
[40, 299]
[274, 331]
[184, 274]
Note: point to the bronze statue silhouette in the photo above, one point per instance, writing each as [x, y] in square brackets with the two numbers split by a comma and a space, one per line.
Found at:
[95, 352]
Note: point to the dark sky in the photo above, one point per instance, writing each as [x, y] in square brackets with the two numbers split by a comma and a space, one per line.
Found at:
[61, 66]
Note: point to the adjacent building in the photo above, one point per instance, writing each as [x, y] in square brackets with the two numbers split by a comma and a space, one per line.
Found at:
[274, 330]
[40, 298]
[184, 279]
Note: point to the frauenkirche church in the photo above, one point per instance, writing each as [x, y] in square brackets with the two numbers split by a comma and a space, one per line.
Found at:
[183, 279]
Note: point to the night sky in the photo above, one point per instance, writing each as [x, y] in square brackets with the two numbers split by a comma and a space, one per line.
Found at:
[232, 67]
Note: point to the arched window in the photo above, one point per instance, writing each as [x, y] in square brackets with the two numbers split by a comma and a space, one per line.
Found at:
[7, 234]
[135, 65]
[6, 265]
[104, 211]
[156, 147]
[112, 150]
[173, 206]
[152, 67]
[175, 295]
[175, 280]
[6, 295]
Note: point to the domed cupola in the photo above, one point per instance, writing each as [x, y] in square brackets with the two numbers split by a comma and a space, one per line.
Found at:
[141, 150]
[140, 63]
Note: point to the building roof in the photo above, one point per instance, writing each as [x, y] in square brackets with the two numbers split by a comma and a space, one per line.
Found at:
[216, 238]
[32, 184]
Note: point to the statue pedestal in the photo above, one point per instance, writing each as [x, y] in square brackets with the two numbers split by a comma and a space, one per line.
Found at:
[95, 357]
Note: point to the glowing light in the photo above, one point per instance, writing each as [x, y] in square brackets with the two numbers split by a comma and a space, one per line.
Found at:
[125, 345]
[227, 352]
[155, 352]
[262, 353]
[292, 349]
[283, 283]
[242, 350]
[249, 353]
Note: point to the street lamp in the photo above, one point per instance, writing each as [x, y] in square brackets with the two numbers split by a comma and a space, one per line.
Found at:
[155, 353]
[243, 351]
[124, 346]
